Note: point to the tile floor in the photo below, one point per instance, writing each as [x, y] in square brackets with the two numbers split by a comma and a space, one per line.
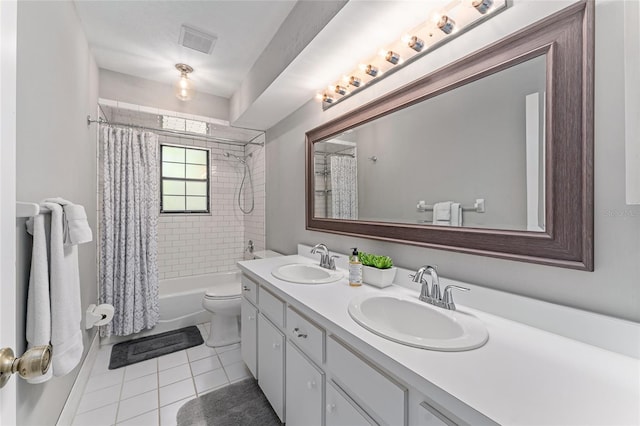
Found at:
[150, 393]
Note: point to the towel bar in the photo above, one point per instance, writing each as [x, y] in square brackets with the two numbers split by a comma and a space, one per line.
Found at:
[29, 209]
[477, 207]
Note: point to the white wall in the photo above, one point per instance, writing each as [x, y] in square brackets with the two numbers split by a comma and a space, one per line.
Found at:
[611, 289]
[56, 156]
[140, 91]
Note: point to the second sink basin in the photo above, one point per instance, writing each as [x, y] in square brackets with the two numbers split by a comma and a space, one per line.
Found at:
[418, 324]
[305, 273]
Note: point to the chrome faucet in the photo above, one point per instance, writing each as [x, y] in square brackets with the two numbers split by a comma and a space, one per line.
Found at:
[433, 295]
[326, 260]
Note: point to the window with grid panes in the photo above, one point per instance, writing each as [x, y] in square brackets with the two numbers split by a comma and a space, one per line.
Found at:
[184, 182]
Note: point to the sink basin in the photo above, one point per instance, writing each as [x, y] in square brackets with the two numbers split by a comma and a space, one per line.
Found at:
[304, 273]
[415, 323]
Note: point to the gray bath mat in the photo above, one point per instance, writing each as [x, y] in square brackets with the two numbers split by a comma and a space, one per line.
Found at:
[239, 404]
[138, 350]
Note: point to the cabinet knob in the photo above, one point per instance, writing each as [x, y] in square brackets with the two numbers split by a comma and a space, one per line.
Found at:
[331, 408]
[311, 384]
[276, 345]
[251, 317]
[298, 333]
[245, 288]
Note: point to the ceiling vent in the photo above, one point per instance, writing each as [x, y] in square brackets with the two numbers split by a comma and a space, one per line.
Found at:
[197, 40]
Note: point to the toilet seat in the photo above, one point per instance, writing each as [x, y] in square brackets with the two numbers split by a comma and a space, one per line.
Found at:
[224, 291]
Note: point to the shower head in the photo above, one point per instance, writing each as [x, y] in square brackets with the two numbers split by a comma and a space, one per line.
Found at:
[240, 159]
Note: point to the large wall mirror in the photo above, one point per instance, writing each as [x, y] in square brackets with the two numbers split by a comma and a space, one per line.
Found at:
[491, 155]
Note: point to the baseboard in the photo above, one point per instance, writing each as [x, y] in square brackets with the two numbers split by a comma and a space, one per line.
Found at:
[73, 400]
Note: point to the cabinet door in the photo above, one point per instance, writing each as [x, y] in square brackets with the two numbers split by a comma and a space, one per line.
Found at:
[304, 390]
[271, 364]
[341, 412]
[249, 333]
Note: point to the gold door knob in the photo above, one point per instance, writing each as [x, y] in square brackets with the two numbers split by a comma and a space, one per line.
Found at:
[33, 363]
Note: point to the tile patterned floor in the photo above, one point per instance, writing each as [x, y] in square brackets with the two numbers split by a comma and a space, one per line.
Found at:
[150, 393]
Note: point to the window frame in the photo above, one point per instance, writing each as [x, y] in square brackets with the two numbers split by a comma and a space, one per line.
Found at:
[185, 180]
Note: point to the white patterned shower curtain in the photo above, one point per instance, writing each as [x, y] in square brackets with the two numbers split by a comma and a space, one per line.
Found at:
[128, 240]
[344, 187]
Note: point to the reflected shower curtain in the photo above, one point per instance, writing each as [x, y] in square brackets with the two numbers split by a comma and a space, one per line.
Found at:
[128, 240]
[344, 187]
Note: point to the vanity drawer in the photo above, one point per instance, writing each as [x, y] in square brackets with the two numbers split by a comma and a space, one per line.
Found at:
[306, 335]
[272, 307]
[249, 289]
[367, 385]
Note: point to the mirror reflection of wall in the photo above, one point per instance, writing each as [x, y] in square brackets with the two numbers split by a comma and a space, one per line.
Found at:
[481, 140]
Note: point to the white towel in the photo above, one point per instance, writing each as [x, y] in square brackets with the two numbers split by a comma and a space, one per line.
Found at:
[66, 334]
[38, 304]
[76, 228]
[456, 214]
[442, 213]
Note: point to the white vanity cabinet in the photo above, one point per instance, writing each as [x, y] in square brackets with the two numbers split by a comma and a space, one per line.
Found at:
[311, 377]
[271, 364]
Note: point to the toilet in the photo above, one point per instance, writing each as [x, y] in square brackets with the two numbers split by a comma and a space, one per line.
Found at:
[223, 302]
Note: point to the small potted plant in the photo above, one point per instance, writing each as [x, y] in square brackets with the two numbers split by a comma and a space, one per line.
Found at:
[377, 270]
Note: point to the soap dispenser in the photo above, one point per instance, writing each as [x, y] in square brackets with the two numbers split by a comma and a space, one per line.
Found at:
[355, 269]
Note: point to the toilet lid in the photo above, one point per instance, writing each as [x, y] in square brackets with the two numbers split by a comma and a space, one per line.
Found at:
[224, 291]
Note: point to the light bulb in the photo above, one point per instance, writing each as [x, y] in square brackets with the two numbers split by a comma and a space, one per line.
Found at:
[446, 24]
[416, 43]
[482, 6]
[184, 86]
[392, 57]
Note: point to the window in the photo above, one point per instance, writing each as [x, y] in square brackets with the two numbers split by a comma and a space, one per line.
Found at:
[184, 125]
[184, 186]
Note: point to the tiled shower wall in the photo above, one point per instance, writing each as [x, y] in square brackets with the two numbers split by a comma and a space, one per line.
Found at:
[254, 223]
[194, 244]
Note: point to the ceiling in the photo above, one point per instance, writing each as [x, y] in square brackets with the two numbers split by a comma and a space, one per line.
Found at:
[140, 38]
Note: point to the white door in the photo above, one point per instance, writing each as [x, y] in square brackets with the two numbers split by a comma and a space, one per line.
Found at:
[271, 364]
[304, 390]
[8, 23]
[249, 333]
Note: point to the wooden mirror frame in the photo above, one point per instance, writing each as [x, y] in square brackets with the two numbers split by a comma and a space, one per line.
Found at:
[567, 38]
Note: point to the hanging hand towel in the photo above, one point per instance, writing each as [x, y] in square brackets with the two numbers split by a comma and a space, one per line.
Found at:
[442, 213]
[66, 334]
[76, 228]
[38, 330]
[456, 214]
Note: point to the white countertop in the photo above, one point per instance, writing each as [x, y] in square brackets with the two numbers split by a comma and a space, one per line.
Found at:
[522, 375]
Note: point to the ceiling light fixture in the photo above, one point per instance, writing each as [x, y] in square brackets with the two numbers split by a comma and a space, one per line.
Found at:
[438, 28]
[184, 86]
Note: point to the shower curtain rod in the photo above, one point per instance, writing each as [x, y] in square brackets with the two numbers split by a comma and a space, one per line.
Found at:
[329, 154]
[225, 141]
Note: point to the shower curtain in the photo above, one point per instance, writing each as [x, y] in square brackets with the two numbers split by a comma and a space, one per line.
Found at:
[128, 240]
[344, 187]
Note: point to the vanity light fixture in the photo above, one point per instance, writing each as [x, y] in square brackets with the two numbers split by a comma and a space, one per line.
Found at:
[416, 43]
[340, 90]
[184, 86]
[482, 6]
[328, 98]
[370, 70]
[438, 28]
[446, 24]
[355, 81]
[392, 57]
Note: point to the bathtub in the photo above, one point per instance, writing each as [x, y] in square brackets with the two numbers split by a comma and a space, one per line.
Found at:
[181, 299]
[180, 303]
